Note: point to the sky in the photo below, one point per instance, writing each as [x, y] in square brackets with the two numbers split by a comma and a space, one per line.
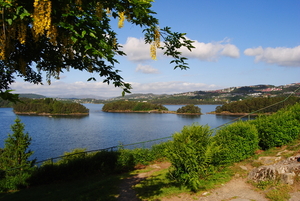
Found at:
[238, 43]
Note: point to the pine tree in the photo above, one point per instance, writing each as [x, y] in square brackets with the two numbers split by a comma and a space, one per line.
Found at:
[14, 158]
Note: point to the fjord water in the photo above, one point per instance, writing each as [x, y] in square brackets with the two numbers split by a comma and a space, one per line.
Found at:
[52, 136]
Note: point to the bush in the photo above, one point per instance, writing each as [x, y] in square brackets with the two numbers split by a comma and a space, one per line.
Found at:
[280, 128]
[190, 153]
[236, 141]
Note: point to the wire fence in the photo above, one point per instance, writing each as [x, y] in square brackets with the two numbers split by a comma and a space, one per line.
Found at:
[144, 145]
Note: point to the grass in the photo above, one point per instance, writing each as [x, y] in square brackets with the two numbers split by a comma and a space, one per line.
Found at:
[279, 193]
[159, 186]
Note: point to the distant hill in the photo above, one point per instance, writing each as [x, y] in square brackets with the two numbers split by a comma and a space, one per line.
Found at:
[30, 95]
[220, 96]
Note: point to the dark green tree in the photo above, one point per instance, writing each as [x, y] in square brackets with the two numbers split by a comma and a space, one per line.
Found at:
[14, 161]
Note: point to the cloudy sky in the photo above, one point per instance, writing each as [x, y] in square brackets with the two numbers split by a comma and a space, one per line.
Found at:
[238, 43]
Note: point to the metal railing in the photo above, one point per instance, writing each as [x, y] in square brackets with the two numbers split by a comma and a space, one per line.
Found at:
[144, 144]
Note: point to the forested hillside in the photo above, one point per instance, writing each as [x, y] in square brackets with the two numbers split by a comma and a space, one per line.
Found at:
[48, 106]
[5, 103]
[254, 104]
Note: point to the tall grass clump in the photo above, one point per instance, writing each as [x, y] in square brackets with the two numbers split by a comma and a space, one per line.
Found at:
[190, 154]
[236, 142]
[280, 128]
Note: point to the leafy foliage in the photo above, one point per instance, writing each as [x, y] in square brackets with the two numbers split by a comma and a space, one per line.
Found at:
[189, 109]
[191, 153]
[132, 106]
[280, 128]
[63, 34]
[254, 104]
[48, 105]
[236, 141]
[14, 163]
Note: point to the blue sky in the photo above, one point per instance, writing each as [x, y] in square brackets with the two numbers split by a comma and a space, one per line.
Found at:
[238, 43]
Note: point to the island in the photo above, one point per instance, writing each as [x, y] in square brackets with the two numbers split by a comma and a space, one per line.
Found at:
[189, 109]
[48, 107]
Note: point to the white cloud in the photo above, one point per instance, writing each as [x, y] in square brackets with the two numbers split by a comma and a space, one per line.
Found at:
[62, 89]
[281, 56]
[146, 69]
[230, 50]
[77, 89]
[212, 51]
[137, 50]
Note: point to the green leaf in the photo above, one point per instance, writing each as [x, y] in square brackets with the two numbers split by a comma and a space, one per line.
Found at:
[92, 35]
[9, 21]
[83, 33]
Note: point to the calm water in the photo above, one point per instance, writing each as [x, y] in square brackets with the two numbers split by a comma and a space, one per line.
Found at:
[52, 136]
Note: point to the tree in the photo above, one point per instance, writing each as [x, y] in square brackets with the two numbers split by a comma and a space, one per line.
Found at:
[56, 35]
[14, 158]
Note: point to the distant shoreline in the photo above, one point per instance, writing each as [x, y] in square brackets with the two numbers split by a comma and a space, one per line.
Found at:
[150, 111]
[233, 114]
[51, 114]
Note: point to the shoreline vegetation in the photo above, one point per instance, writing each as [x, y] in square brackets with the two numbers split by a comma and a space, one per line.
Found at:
[234, 114]
[151, 111]
[51, 114]
[49, 107]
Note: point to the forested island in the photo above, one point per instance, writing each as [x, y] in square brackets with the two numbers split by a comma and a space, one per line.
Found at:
[133, 106]
[48, 106]
[258, 105]
[189, 109]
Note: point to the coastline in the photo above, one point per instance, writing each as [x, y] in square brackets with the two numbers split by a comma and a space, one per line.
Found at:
[51, 114]
[234, 114]
[151, 111]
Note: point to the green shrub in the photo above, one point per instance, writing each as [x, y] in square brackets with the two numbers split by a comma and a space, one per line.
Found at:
[236, 141]
[190, 154]
[280, 128]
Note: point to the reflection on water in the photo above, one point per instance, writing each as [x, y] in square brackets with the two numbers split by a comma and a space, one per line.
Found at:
[188, 116]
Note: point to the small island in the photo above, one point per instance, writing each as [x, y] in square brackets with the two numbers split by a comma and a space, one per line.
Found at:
[189, 109]
[48, 107]
[133, 106]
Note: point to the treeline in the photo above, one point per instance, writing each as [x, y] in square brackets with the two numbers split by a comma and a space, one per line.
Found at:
[254, 104]
[183, 100]
[132, 106]
[48, 106]
[5, 103]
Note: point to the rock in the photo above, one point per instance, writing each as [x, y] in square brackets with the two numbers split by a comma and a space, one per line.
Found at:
[284, 170]
[287, 178]
[243, 167]
[268, 160]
